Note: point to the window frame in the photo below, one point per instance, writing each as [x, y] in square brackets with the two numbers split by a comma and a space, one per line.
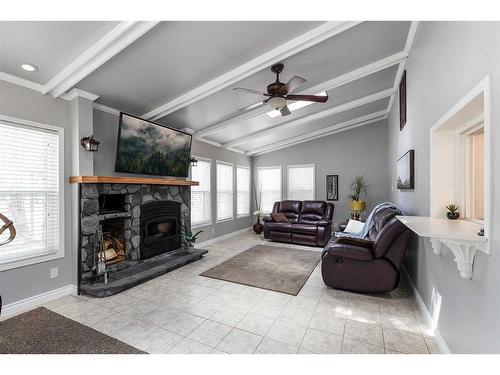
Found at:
[60, 253]
[281, 182]
[300, 166]
[249, 191]
[209, 222]
[217, 220]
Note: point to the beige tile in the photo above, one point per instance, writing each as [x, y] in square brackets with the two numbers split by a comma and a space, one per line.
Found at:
[293, 314]
[362, 315]
[239, 342]
[401, 323]
[205, 309]
[256, 323]
[228, 315]
[328, 323]
[405, 342]
[139, 310]
[321, 342]
[277, 298]
[134, 332]
[210, 333]
[365, 332]
[188, 346]
[268, 346]
[311, 291]
[356, 347]
[159, 342]
[184, 324]
[287, 332]
[112, 324]
[268, 308]
[303, 303]
[432, 346]
[161, 316]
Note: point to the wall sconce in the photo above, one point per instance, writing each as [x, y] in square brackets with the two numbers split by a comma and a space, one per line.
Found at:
[193, 161]
[89, 143]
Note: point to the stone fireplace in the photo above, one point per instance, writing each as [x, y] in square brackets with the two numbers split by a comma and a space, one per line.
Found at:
[140, 226]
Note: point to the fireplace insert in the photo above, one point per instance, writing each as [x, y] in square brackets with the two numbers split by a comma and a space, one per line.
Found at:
[160, 228]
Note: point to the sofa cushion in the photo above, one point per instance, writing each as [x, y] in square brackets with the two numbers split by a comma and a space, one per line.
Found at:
[312, 211]
[355, 242]
[291, 209]
[304, 229]
[280, 227]
[351, 252]
[279, 217]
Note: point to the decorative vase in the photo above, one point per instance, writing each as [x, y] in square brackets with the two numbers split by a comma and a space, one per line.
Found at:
[258, 228]
[452, 215]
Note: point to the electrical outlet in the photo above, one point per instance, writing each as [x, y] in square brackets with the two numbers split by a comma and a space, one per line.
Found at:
[54, 273]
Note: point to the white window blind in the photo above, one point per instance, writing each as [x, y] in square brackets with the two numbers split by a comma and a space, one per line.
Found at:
[242, 191]
[224, 191]
[269, 187]
[200, 195]
[301, 182]
[30, 191]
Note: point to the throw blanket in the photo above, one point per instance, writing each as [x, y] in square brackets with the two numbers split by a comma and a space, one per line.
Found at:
[369, 221]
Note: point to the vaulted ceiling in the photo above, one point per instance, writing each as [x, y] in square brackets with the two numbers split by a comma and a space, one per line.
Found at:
[182, 74]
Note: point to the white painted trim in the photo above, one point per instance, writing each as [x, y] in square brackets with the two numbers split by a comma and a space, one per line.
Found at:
[300, 166]
[75, 93]
[211, 241]
[440, 341]
[30, 303]
[20, 81]
[331, 84]
[312, 117]
[337, 128]
[105, 108]
[227, 164]
[240, 216]
[209, 221]
[292, 47]
[281, 182]
[120, 37]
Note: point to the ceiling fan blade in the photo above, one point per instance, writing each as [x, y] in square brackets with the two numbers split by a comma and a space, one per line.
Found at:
[285, 111]
[249, 91]
[294, 82]
[251, 106]
[308, 98]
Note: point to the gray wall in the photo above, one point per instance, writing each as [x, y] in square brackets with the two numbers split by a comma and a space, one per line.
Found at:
[360, 151]
[24, 282]
[447, 60]
[106, 131]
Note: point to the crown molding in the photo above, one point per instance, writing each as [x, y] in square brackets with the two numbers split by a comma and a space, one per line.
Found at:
[294, 46]
[312, 117]
[20, 81]
[121, 36]
[75, 93]
[337, 128]
[331, 84]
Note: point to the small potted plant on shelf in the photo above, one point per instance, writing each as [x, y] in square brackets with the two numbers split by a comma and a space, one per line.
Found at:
[358, 186]
[190, 238]
[257, 227]
[452, 213]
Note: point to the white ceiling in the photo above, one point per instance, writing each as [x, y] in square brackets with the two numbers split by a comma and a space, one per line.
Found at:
[182, 73]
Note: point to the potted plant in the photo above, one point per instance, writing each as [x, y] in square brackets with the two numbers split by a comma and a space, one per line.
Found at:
[189, 238]
[452, 213]
[358, 186]
[257, 227]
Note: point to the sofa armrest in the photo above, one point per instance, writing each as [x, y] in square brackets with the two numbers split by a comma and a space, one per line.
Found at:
[323, 223]
[267, 219]
[349, 251]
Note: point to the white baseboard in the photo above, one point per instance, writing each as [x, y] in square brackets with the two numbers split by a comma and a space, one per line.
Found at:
[30, 303]
[211, 241]
[441, 343]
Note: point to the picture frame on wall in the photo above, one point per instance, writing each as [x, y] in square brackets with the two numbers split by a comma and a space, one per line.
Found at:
[332, 187]
[402, 102]
[406, 171]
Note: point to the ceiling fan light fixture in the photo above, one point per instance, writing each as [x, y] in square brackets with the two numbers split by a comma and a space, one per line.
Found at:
[277, 102]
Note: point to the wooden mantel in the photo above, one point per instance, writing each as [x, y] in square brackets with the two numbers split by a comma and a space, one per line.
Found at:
[131, 180]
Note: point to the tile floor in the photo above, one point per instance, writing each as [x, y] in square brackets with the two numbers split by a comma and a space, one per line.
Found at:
[182, 312]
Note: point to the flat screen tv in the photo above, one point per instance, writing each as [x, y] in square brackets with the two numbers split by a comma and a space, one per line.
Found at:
[145, 147]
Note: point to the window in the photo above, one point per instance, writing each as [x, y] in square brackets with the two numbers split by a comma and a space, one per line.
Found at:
[474, 173]
[242, 191]
[31, 193]
[269, 187]
[301, 182]
[224, 191]
[200, 195]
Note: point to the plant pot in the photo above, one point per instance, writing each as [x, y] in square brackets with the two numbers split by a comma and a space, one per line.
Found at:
[258, 228]
[452, 215]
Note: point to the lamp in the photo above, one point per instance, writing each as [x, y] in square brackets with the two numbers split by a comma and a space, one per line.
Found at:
[89, 144]
[277, 102]
[193, 161]
[357, 208]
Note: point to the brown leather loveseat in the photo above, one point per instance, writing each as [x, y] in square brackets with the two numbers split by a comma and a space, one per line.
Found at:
[372, 264]
[309, 223]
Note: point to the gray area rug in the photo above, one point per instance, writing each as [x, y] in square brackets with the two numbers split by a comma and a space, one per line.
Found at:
[274, 268]
[42, 331]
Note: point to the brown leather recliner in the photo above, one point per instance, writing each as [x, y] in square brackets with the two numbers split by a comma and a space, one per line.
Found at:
[310, 223]
[368, 269]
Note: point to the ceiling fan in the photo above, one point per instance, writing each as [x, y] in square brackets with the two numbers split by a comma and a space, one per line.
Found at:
[278, 94]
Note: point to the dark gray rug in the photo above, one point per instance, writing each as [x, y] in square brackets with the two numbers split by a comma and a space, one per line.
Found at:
[42, 331]
[275, 268]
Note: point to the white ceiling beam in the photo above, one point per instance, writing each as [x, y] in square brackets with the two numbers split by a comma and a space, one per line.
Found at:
[324, 86]
[312, 117]
[296, 45]
[20, 81]
[69, 96]
[401, 68]
[105, 108]
[351, 124]
[121, 36]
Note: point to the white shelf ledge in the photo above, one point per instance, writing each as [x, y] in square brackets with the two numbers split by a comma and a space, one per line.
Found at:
[459, 236]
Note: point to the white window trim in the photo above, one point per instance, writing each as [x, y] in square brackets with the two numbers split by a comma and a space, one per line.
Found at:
[35, 259]
[300, 166]
[217, 192]
[209, 222]
[281, 181]
[249, 189]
